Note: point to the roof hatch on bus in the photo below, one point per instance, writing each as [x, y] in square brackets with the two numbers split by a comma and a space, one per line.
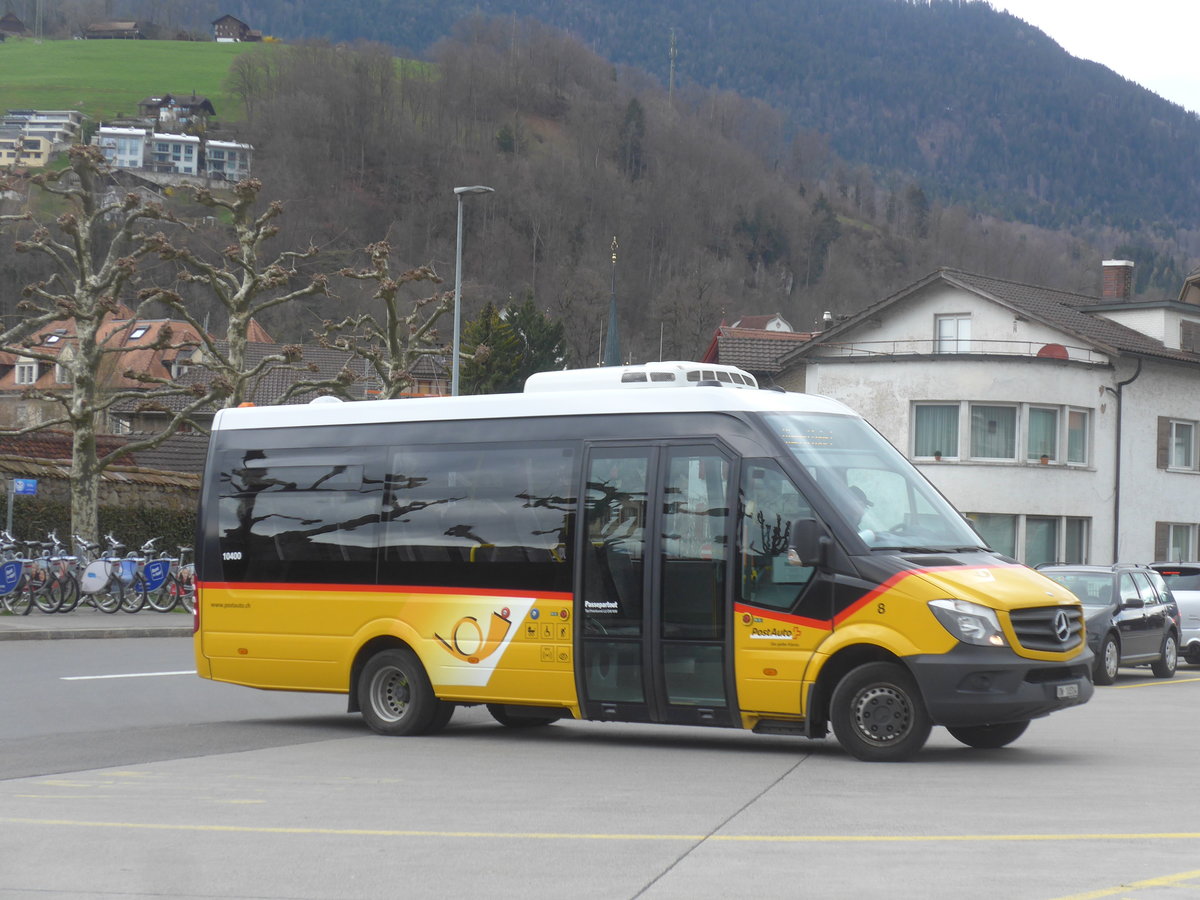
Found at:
[647, 375]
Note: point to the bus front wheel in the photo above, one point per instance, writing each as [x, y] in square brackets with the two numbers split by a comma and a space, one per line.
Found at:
[395, 695]
[878, 714]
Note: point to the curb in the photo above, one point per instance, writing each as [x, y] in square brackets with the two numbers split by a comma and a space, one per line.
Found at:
[89, 633]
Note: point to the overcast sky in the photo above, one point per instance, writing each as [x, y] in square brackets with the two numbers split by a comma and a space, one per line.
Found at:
[1151, 42]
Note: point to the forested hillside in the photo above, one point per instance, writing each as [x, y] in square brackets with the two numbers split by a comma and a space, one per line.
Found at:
[718, 209]
[976, 106]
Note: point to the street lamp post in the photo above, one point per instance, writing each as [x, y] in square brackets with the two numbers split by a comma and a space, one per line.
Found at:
[460, 192]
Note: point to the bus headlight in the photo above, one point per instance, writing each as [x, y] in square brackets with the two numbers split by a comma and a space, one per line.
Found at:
[969, 622]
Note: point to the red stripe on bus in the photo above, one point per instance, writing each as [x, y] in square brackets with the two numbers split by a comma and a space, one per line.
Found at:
[781, 617]
[377, 589]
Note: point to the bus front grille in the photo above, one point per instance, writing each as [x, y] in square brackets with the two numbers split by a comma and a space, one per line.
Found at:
[1041, 628]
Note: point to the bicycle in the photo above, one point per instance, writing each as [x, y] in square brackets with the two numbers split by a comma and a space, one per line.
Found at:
[113, 582]
[158, 575]
[62, 588]
[178, 588]
[13, 596]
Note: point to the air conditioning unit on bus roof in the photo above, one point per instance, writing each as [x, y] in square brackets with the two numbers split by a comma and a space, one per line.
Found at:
[647, 375]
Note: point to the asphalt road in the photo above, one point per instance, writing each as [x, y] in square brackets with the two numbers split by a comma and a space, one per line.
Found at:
[157, 784]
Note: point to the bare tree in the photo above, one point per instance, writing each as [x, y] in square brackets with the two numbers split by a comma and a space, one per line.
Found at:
[393, 345]
[93, 252]
[245, 286]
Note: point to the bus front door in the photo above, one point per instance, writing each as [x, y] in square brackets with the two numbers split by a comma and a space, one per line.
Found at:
[654, 619]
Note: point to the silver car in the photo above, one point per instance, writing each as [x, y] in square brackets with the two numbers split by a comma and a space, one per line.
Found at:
[1184, 581]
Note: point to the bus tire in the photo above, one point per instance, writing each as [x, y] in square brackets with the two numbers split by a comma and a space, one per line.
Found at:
[441, 717]
[878, 714]
[509, 720]
[988, 737]
[395, 695]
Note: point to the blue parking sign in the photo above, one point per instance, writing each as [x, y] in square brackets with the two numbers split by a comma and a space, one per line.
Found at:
[24, 486]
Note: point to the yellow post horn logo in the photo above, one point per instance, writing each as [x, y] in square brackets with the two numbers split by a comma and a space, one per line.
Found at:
[497, 629]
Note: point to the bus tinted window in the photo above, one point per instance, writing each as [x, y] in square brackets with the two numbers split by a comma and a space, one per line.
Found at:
[479, 516]
[296, 523]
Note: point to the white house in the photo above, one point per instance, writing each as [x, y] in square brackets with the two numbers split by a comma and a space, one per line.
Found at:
[227, 159]
[59, 127]
[1064, 426]
[174, 154]
[124, 148]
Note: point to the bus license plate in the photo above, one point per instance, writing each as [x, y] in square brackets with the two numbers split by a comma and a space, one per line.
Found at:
[1066, 691]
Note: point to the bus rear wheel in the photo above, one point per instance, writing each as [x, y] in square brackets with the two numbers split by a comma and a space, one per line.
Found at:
[878, 714]
[395, 695]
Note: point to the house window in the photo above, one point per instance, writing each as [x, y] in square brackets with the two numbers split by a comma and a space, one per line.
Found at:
[998, 531]
[1075, 541]
[138, 332]
[996, 432]
[1043, 433]
[993, 432]
[1077, 436]
[952, 333]
[1181, 542]
[1183, 438]
[935, 430]
[62, 375]
[1042, 539]
[26, 372]
[1189, 336]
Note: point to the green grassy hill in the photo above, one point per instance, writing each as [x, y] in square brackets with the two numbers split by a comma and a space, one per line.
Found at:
[107, 78]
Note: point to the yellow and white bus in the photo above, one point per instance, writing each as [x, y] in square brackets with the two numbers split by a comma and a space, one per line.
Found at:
[662, 543]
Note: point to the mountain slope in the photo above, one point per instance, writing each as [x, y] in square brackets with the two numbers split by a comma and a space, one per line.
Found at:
[977, 106]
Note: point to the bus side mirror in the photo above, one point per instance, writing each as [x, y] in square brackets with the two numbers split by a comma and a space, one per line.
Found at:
[809, 545]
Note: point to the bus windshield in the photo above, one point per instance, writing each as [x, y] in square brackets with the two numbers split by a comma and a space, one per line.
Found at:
[881, 495]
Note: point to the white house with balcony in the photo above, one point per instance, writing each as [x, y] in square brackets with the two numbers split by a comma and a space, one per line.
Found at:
[1064, 426]
[124, 148]
[229, 160]
[174, 154]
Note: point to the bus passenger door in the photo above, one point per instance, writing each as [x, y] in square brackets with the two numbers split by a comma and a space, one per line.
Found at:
[654, 611]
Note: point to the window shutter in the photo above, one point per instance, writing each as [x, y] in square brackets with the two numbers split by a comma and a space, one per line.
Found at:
[1161, 534]
[1164, 442]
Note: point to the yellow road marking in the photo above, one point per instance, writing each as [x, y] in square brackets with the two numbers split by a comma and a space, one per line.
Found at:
[584, 836]
[1163, 881]
[1160, 683]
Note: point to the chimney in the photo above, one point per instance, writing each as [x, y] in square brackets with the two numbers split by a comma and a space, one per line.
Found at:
[1118, 279]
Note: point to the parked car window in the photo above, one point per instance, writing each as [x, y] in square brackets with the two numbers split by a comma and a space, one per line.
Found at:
[1128, 589]
[1146, 589]
[1160, 585]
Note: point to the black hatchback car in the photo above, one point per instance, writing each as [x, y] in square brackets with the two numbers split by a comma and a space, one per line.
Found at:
[1131, 617]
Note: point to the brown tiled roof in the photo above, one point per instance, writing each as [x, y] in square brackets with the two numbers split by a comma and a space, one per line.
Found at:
[53, 445]
[178, 453]
[755, 349]
[27, 467]
[116, 332]
[272, 385]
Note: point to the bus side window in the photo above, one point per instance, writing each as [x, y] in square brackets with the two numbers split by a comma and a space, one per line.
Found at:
[768, 504]
[489, 516]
